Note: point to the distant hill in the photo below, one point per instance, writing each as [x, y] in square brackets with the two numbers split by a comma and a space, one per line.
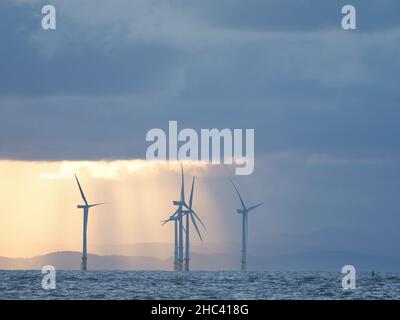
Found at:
[70, 260]
[318, 261]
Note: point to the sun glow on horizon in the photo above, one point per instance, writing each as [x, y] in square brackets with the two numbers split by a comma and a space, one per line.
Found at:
[38, 202]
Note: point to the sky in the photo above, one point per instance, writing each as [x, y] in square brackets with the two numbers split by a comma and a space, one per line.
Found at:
[323, 102]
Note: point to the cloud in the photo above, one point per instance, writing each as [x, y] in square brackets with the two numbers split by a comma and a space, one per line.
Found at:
[324, 159]
[136, 47]
[121, 169]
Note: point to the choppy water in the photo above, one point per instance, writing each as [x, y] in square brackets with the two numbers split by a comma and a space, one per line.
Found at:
[196, 285]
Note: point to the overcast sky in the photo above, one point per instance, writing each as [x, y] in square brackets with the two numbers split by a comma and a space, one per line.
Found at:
[324, 102]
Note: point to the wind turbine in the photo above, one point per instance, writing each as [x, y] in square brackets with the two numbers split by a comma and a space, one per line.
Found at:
[85, 208]
[177, 217]
[180, 219]
[244, 212]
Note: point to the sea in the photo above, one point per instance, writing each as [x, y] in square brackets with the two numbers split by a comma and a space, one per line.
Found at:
[98, 285]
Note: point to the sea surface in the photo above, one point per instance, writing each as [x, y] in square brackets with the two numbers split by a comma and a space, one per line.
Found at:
[197, 285]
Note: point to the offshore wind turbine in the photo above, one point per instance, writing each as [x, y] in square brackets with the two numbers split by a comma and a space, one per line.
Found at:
[177, 217]
[180, 219]
[244, 212]
[85, 208]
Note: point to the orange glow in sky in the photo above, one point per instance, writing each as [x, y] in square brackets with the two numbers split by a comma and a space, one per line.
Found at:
[38, 201]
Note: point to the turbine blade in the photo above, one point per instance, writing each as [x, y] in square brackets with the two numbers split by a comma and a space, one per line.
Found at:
[174, 214]
[191, 194]
[171, 218]
[97, 204]
[182, 185]
[195, 226]
[198, 218]
[253, 207]
[166, 221]
[80, 189]
[240, 197]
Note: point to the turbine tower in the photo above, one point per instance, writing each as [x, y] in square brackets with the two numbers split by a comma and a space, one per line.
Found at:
[180, 219]
[85, 208]
[177, 217]
[244, 212]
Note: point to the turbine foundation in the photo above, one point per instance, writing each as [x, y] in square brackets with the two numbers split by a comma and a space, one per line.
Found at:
[187, 264]
[243, 267]
[84, 264]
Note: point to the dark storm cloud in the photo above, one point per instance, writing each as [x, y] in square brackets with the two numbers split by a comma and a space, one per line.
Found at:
[299, 15]
[30, 68]
[92, 88]
[124, 49]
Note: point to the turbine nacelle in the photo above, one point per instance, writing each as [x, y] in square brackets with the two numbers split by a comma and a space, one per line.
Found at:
[177, 203]
[240, 211]
[83, 206]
